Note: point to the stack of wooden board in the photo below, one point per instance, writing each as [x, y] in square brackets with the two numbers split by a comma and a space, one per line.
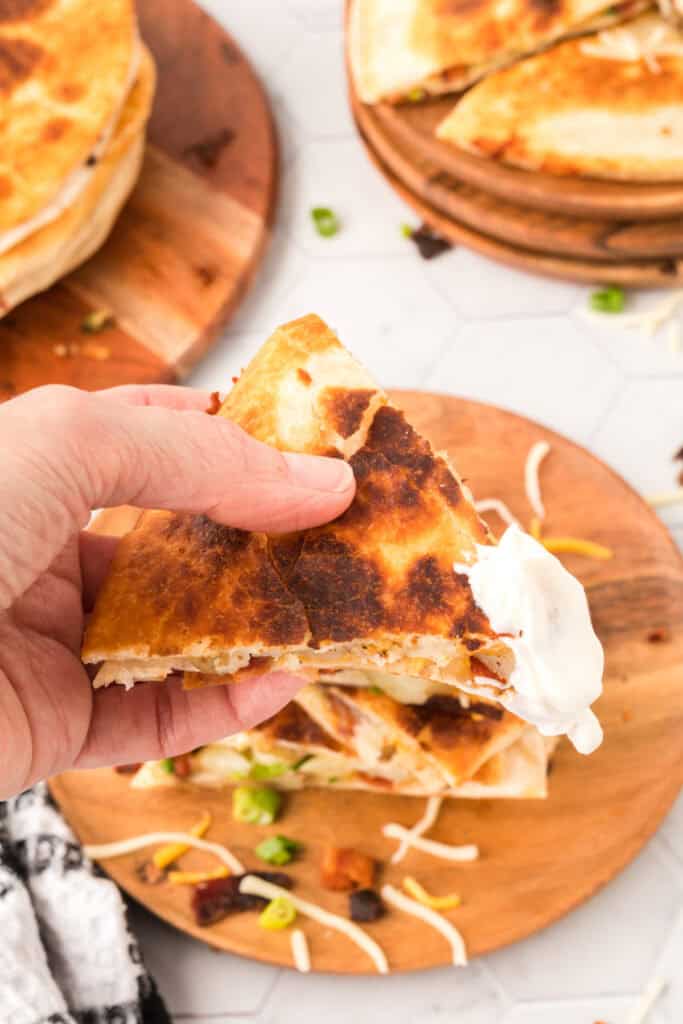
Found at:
[567, 162]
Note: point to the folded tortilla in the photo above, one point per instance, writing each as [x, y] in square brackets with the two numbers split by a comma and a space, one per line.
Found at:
[321, 741]
[606, 107]
[401, 47]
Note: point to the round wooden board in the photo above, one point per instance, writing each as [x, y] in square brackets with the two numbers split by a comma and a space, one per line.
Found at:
[661, 273]
[554, 233]
[415, 124]
[189, 240]
[539, 859]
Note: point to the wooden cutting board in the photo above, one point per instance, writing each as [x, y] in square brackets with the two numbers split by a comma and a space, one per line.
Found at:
[555, 233]
[415, 123]
[539, 859]
[190, 239]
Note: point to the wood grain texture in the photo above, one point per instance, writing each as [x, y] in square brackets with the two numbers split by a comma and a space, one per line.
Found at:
[189, 241]
[415, 123]
[538, 859]
[555, 233]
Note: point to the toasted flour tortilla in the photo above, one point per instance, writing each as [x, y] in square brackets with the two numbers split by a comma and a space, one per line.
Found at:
[606, 107]
[399, 47]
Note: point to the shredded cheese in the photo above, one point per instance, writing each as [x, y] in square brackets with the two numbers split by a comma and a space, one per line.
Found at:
[576, 546]
[419, 893]
[426, 822]
[532, 484]
[647, 1000]
[195, 877]
[624, 44]
[665, 498]
[168, 854]
[253, 886]
[448, 930]
[498, 506]
[300, 951]
[535, 528]
[443, 850]
[124, 846]
[649, 321]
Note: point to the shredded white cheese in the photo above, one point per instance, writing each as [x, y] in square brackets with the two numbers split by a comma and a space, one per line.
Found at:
[496, 505]
[443, 850]
[665, 498]
[253, 886]
[426, 822]
[449, 931]
[532, 484]
[625, 45]
[647, 1000]
[300, 952]
[649, 320]
[124, 846]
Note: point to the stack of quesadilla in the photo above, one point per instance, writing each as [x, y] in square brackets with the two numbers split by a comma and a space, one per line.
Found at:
[407, 583]
[377, 732]
[76, 89]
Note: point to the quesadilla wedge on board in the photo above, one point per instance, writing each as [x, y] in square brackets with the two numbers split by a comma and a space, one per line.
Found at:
[402, 49]
[399, 583]
[608, 106]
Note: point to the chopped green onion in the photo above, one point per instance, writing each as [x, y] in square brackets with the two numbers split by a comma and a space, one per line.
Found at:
[279, 914]
[96, 321]
[406, 230]
[255, 806]
[377, 690]
[332, 779]
[325, 221]
[277, 849]
[302, 761]
[611, 299]
[167, 765]
[415, 95]
[262, 772]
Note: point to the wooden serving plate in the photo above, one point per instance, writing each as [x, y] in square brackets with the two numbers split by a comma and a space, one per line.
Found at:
[190, 238]
[539, 859]
[549, 232]
[414, 124]
[664, 272]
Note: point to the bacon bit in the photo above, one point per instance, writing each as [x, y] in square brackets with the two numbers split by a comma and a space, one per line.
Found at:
[576, 546]
[419, 893]
[197, 877]
[168, 854]
[214, 404]
[182, 766]
[127, 769]
[345, 869]
[658, 636]
[304, 376]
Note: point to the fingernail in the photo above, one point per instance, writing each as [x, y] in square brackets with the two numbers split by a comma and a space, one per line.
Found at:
[319, 474]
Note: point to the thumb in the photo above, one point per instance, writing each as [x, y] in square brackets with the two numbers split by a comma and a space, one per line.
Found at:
[73, 451]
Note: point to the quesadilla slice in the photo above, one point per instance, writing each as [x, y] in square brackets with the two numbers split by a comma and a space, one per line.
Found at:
[293, 750]
[407, 581]
[605, 107]
[399, 48]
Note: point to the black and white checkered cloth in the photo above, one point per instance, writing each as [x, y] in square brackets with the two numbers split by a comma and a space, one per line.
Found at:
[66, 954]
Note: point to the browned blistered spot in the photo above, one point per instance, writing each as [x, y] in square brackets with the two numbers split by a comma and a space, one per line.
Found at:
[71, 92]
[18, 58]
[345, 716]
[56, 129]
[341, 590]
[304, 376]
[345, 408]
[448, 721]
[16, 10]
[293, 725]
[426, 584]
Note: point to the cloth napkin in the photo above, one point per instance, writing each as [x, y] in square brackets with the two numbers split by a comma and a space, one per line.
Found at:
[66, 953]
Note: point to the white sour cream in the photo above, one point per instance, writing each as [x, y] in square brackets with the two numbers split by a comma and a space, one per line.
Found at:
[526, 592]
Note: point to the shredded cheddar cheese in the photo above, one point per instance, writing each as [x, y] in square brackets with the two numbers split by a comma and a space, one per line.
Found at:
[535, 528]
[168, 854]
[419, 893]
[195, 877]
[576, 546]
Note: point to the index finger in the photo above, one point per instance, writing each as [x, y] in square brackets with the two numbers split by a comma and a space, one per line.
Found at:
[165, 396]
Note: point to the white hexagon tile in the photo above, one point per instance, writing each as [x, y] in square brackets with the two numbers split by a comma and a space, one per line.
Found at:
[461, 324]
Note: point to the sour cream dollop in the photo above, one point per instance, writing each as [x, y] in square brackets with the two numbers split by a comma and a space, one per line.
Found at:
[527, 593]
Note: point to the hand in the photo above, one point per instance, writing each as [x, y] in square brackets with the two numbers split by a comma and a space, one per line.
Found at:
[64, 452]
